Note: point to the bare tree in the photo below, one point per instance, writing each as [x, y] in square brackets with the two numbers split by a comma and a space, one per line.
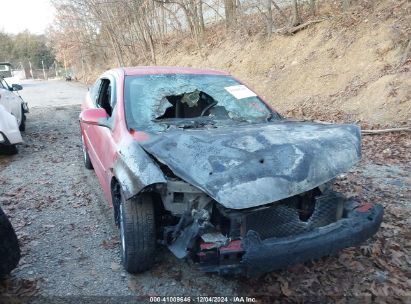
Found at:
[313, 7]
[269, 17]
[230, 7]
[345, 4]
[296, 19]
[127, 32]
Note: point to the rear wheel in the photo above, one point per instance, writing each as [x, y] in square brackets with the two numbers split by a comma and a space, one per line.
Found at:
[8, 150]
[86, 157]
[9, 246]
[137, 233]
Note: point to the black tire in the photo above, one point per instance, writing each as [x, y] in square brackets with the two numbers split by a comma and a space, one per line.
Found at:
[86, 157]
[137, 233]
[8, 150]
[22, 126]
[9, 246]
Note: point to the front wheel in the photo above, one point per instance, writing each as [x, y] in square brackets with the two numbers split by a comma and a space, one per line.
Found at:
[137, 233]
[86, 157]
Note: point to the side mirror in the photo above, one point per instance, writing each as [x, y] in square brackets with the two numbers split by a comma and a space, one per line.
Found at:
[97, 117]
[16, 87]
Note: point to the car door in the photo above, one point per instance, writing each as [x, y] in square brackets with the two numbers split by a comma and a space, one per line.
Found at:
[88, 132]
[10, 101]
[102, 146]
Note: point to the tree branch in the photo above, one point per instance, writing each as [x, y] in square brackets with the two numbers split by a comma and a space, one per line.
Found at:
[295, 29]
[381, 131]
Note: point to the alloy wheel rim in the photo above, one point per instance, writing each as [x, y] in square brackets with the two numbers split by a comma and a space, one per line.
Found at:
[83, 147]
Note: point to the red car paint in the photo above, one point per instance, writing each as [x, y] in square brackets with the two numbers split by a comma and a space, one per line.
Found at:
[365, 207]
[233, 246]
[101, 142]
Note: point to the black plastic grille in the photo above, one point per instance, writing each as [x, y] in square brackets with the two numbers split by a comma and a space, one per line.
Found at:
[283, 219]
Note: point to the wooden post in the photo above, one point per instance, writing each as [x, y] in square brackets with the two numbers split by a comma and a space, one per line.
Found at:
[31, 70]
[44, 71]
[55, 68]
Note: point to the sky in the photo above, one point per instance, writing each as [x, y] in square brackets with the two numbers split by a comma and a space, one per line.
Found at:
[19, 15]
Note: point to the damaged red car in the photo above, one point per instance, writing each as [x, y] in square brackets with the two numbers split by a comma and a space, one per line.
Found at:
[195, 160]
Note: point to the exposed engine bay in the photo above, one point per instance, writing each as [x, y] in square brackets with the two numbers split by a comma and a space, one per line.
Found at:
[222, 240]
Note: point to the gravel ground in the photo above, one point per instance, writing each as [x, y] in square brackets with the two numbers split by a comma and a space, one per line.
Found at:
[52, 93]
[70, 243]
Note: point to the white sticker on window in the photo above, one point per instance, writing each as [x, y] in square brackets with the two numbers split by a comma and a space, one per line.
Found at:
[240, 91]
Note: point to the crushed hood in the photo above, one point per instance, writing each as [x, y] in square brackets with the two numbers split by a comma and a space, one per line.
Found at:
[247, 166]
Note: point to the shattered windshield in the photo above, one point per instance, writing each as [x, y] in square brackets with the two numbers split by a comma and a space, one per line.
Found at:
[157, 101]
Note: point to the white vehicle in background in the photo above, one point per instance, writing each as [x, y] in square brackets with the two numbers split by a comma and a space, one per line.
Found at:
[7, 73]
[13, 111]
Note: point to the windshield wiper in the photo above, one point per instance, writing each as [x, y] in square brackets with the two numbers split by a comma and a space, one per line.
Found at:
[194, 124]
[212, 105]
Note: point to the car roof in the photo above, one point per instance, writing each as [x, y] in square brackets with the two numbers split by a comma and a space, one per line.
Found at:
[145, 70]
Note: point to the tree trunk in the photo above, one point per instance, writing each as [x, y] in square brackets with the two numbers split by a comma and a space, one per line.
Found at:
[296, 14]
[280, 11]
[269, 18]
[313, 7]
[346, 4]
[201, 15]
[230, 12]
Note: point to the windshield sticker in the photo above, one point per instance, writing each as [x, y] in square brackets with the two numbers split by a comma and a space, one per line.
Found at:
[240, 91]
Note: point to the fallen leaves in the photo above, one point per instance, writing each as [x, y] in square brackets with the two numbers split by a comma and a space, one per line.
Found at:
[49, 226]
[391, 148]
[111, 243]
[285, 289]
[115, 266]
[12, 287]
[134, 286]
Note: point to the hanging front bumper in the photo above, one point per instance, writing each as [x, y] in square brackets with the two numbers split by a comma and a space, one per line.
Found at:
[252, 256]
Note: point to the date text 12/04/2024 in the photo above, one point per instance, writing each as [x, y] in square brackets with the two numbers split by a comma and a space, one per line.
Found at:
[203, 299]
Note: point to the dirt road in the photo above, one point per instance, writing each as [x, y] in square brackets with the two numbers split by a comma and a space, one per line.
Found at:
[52, 93]
[70, 243]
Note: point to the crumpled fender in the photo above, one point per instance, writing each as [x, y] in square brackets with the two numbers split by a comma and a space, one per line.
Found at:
[9, 127]
[135, 170]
